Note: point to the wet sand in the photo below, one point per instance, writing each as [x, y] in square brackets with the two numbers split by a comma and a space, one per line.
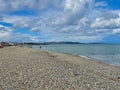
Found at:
[23, 68]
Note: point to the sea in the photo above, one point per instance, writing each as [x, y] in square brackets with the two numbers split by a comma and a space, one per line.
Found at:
[108, 53]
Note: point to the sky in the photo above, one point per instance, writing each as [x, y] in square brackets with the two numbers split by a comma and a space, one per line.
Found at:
[60, 20]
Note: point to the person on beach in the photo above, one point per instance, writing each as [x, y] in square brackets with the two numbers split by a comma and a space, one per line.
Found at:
[40, 47]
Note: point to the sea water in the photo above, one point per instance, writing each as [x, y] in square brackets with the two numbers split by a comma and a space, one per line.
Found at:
[109, 53]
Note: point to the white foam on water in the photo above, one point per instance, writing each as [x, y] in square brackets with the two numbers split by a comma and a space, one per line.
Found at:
[84, 56]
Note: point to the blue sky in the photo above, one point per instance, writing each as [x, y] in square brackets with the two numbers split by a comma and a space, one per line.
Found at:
[60, 20]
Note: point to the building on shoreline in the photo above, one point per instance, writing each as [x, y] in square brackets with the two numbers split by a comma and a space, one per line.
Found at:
[4, 44]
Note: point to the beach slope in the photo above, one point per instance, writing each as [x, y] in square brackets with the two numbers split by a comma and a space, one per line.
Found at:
[23, 68]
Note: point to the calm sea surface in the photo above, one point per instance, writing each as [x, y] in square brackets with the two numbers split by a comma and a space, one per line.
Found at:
[108, 53]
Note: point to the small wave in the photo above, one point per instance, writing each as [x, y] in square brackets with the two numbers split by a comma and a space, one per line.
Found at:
[84, 56]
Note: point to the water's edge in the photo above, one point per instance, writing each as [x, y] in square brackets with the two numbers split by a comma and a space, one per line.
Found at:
[109, 54]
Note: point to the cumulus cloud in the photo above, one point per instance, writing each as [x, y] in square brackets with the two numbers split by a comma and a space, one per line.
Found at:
[74, 11]
[106, 24]
[22, 24]
[8, 34]
[116, 31]
[4, 32]
[19, 37]
[58, 20]
[85, 29]
[8, 6]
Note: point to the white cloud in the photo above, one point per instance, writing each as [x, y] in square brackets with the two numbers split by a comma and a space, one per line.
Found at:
[20, 24]
[116, 31]
[78, 38]
[24, 37]
[101, 4]
[1, 27]
[61, 20]
[86, 28]
[7, 6]
[3, 5]
[4, 28]
[106, 24]
[19, 37]
[7, 34]
[74, 11]
[4, 32]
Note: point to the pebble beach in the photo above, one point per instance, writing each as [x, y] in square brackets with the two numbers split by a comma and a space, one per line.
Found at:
[23, 68]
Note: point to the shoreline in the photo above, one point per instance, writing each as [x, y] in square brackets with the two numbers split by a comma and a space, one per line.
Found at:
[27, 68]
[82, 56]
[86, 57]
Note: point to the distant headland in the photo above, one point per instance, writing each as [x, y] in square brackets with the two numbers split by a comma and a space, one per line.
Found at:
[45, 43]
